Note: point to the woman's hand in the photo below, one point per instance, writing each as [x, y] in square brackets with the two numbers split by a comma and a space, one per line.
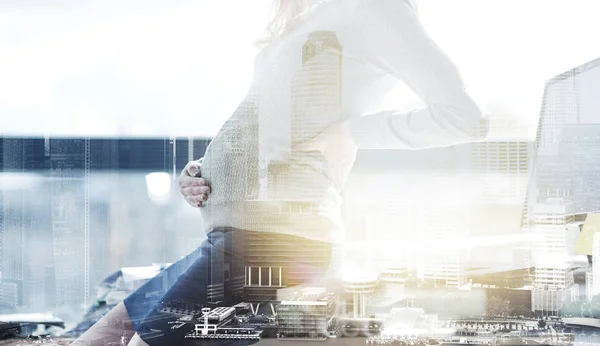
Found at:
[193, 187]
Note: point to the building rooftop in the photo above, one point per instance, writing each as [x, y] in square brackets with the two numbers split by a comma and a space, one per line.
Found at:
[220, 312]
[310, 296]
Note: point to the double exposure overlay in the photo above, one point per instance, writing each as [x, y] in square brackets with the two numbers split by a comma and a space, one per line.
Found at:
[352, 184]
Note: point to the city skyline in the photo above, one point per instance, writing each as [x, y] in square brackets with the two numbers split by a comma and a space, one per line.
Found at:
[61, 226]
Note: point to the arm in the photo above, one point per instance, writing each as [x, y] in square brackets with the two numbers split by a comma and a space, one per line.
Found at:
[396, 42]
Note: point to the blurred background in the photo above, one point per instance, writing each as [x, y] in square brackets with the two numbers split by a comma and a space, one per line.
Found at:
[75, 210]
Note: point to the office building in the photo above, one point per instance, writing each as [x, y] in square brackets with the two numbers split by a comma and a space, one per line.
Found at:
[316, 96]
[70, 205]
[567, 138]
[287, 198]
[560, 108]
[274, 263]
[579, 151]
[11, 294]
[316, 102]
[554, 285]
[214, 319]
[502, 166]
[554, 228]
[444, 264]
[26, 230]
[548, 300]
[503, 162]
[310, 314]
[589, 284]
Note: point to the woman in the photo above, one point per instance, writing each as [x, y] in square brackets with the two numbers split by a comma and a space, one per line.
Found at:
[277, 166]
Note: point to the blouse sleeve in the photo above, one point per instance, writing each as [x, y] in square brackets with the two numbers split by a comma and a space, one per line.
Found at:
[395, 42]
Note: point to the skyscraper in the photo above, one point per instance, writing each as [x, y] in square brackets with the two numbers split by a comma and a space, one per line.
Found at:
[444, 263]
[316, 102]
[502, 166]
[69, 173]
[504, 162]
[26, 231]
[293, 188]
[103, 172]
[552, 250]
[560, 108]
[579, 152]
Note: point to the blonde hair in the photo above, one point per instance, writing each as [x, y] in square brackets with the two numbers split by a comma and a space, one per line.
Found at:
[284, 15]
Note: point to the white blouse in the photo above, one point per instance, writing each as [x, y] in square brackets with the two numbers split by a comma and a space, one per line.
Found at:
[338, 64]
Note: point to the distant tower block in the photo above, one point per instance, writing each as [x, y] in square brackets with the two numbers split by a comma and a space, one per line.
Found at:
[316, 103]
[359, 288]
[317, 86]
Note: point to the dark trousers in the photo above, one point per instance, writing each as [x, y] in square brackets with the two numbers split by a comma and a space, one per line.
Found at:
[231, 266]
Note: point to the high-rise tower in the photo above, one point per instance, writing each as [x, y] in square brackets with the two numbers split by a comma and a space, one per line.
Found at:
[298, 181]
[69, 159]
[316, 101]
[555, 240]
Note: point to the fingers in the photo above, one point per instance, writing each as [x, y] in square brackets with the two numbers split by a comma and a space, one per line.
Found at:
[192, 168]
[195, 190]
[185, 181]
[196, 201]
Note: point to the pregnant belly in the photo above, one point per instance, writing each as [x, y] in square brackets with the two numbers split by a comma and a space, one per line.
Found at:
[231, 169]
